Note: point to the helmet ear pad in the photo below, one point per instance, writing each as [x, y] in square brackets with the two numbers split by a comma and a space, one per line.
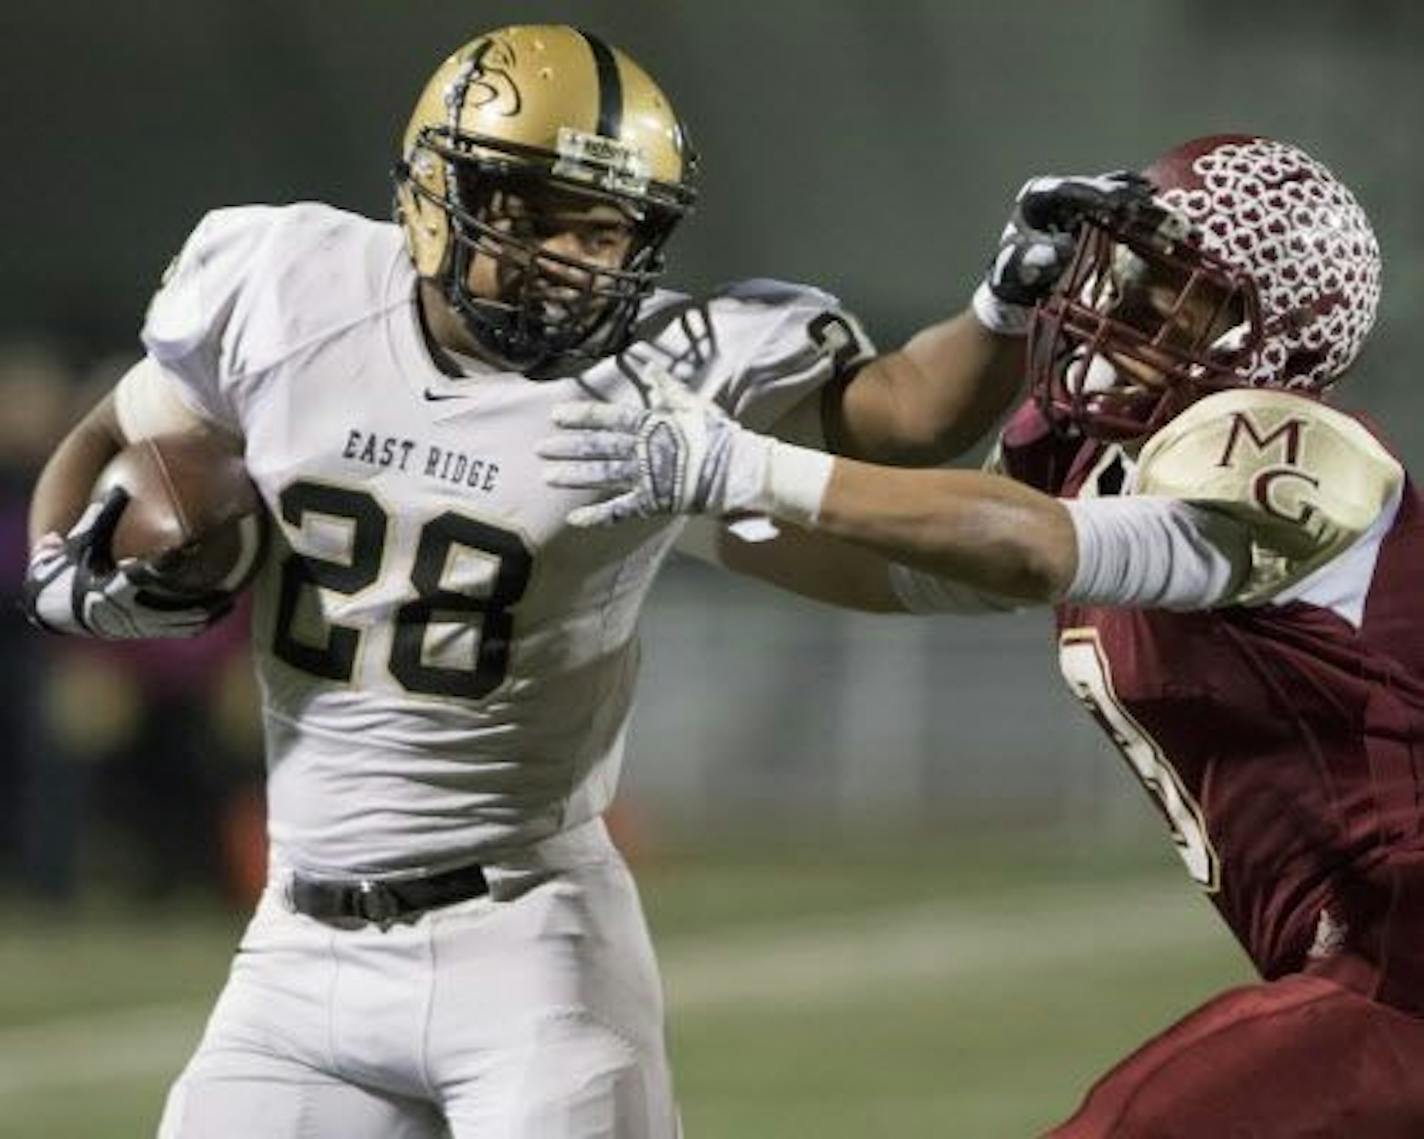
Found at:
[425, 223]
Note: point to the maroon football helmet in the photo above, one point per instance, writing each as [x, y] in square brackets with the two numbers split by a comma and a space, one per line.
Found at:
[1251, 266]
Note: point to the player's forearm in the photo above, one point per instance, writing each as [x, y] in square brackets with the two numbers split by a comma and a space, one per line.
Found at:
[981, 530]
[64, 486]
[687, 457]
[931, 399]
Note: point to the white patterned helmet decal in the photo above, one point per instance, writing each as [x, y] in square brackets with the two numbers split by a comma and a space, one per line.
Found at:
[1271, 211]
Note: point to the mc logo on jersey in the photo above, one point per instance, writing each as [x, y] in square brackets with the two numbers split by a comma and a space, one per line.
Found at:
[1276, 488]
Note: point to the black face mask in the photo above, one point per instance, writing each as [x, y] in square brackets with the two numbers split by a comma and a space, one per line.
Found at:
[551, 310]
[554, 313]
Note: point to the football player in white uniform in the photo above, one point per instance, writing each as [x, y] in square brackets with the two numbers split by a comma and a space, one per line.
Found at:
[1235, 569]
[449, 942]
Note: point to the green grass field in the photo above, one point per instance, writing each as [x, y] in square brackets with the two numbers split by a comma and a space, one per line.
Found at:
[945, 989]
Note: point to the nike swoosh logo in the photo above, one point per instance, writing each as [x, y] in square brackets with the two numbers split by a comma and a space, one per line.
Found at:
[435, 397]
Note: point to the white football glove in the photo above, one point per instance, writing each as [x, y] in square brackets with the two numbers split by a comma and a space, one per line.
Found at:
[74, 586]
[681, 455]
[1042, 234]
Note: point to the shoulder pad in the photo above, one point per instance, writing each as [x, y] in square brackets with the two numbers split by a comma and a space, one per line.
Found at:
[201, 283]
[317, 267]
[1306, 479]
[253, 284]
[321, 270]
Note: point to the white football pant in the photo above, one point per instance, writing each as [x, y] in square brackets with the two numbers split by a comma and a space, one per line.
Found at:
[533, 1013]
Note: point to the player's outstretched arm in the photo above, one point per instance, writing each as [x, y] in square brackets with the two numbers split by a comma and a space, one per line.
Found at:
[979, 531]
[685, 456]
[939, 394]
[931, 399]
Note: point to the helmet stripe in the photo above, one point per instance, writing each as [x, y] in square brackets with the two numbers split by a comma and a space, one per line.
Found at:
[610, 86]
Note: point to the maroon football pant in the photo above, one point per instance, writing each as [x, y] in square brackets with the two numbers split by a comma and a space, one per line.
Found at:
[1298, 1058]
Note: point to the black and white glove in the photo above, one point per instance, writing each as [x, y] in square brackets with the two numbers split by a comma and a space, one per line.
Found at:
[681, 455]
[74, 586]
[1041, 237]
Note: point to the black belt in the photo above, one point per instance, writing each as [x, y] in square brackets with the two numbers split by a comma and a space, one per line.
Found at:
[382, 901]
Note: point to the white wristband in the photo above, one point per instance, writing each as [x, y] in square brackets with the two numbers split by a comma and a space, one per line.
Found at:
[796, 481]
[999, 316]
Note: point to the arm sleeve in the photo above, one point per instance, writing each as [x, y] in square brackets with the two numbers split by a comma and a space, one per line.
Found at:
[1156, 553]
[1140, 552]
[192, 328]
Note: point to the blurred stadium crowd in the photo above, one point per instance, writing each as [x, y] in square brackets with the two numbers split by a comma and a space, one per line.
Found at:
[131, 767]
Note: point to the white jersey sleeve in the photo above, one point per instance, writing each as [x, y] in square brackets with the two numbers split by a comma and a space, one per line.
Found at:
[764, 350]
[761, 348]
[254, 285]
[189, 317]
[803, 340]
[149, 400]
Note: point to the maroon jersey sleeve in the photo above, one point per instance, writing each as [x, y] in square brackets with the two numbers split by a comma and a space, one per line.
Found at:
[1031, 452]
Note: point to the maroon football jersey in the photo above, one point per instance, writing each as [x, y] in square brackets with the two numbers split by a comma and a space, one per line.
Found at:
[1283, 745]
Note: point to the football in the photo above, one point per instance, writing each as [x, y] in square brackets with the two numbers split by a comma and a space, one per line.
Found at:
[193, 515]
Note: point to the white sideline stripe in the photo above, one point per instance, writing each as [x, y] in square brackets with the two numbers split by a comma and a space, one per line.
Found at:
[949, 942]
[944, 942]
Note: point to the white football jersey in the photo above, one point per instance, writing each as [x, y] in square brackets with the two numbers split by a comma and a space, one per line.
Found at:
[447, 668]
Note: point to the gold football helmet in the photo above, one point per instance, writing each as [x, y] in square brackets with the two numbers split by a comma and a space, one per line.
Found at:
[526, 108]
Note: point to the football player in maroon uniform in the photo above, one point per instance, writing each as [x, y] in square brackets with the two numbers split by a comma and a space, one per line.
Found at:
[1233, 563]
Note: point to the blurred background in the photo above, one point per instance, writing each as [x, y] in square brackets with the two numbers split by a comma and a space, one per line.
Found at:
[898, 880]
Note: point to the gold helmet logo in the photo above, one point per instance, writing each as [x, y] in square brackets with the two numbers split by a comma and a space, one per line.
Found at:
[485, 81]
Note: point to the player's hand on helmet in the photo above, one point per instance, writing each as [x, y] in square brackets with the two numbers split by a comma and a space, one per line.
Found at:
[1041, 236]
[680, 455]
[73, 585]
